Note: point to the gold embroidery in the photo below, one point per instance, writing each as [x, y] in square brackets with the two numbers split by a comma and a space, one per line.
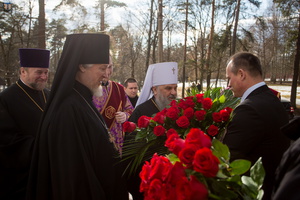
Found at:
[110, 112]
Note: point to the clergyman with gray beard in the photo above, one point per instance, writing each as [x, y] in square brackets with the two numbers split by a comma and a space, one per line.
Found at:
[160, 88]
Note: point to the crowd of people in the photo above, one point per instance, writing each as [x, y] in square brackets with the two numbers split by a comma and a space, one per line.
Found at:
[66, 143]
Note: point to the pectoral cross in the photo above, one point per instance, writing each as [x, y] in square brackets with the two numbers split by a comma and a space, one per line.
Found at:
[173, 70]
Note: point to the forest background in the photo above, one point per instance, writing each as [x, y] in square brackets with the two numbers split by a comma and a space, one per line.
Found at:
[198, 34]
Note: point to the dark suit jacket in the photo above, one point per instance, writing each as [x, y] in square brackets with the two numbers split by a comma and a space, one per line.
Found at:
[255, 132]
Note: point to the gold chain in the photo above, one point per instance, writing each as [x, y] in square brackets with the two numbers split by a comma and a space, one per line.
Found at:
[31, 97]
[111, 137]
[155, 104]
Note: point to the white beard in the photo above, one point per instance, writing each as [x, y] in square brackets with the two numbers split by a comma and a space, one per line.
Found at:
[98, 91]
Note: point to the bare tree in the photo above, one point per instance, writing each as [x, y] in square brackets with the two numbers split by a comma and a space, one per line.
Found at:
[185, 44]
[210, 43]
[103, 5]
[289, 8]
[42, 25]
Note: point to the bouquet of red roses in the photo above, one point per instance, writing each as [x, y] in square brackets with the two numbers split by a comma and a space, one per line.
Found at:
[196, 163]
[198, 168]
[208, 111]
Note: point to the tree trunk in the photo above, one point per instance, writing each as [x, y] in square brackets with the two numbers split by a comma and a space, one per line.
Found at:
[42, 25]
[296, 70]
[210, 42]
[149, 36]
[102, 25]
[236, 21]
[184, 51]
[160, 31]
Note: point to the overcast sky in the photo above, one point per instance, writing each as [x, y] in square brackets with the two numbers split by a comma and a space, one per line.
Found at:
[115, 16]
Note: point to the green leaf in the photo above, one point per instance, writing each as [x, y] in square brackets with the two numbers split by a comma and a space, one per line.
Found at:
[239, 167]
[173, 158]
[236, 179]
[151, 137]
[220, 188]
[257, 172]
[251, 186]
[220, 150]
[141, 134]
[222, 173]
[260, 195]
[222, 99]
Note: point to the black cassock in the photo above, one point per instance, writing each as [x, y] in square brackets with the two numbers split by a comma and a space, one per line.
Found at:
[73, 156]
[19, 120]
[148, 108]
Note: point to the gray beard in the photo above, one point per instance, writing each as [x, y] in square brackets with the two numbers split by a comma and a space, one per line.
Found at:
[98, 91]
[161, 103]
[38, 86]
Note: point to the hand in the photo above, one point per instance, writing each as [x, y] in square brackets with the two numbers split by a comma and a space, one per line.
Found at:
[120, 117]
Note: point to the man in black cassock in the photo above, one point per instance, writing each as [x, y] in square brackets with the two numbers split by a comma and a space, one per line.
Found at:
[160, 88]
[74, 157]
[21, 108]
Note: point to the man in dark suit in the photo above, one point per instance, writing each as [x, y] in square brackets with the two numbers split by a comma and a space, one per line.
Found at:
[255, 127]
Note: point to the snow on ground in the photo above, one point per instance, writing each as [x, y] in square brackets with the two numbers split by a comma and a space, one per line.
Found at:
[285, 90]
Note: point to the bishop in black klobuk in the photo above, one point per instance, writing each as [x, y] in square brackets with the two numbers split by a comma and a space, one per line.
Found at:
[74, 157]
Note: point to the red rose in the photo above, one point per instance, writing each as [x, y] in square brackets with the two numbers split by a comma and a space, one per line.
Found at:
[144, 175]
[206, 163]
[189, 112]
[198, 138]
[171, 131]
[199, 97]
[164, 111]
[175, 143]
[159, 130]
[189, 102]
[129, 126]
[206, 103]
[176, 173]
[156, 188]
[182, 104]
[159, 117]
[229, 110]
[212, 130]
[183, 122]
[186, 103]
[177, 146]
[225, 115]
[183, 188]
[217, 117]
[200, 115]
[170, 139]
[143, 121]
[189, 97]
[186, 155]
[197, 189]
[169, 192]
[160, 167]
[173, 103]
[173, 113]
